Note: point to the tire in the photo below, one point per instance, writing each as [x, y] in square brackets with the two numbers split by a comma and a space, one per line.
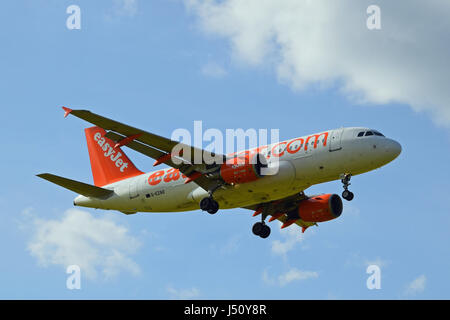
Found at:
[345, 194]
[257, 228]
[265, 232]
[214, 207]
[350, 196]
[205, 204]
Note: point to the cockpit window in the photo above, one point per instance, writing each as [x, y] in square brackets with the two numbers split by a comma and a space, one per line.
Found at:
[370, 133]
[378, 133]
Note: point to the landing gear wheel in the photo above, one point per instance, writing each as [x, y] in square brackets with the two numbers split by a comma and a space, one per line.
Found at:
[205, 204]
[347, 195]
[261, 229]
[209, 204]
[257, 228]
[265, 232]
[214, 207]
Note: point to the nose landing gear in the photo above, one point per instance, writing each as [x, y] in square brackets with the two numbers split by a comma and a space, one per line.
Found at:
[346, 194]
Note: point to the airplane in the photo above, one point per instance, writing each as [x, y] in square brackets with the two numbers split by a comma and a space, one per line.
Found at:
[237, 181]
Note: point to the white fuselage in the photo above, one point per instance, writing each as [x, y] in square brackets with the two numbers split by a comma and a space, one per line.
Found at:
[302, 162]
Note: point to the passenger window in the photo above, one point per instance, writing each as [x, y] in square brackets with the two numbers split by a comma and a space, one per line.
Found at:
[361, 134]
[369, 133]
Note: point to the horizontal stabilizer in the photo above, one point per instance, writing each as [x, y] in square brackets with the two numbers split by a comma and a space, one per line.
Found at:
[84, 189]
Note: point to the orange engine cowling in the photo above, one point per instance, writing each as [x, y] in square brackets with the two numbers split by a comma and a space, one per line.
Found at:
[320, 208]
[243, 169]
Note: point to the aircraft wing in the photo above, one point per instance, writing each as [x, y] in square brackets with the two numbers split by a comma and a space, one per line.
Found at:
[153, 146]
[278, 209]
[186, 168]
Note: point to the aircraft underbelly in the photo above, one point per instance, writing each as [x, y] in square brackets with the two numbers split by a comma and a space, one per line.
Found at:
[267, 188]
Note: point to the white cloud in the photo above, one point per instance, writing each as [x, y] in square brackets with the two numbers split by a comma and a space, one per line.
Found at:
[327, 43]
[296, 275]
[213, 70]
[416, 286]
[78, 238]
[286, 278]
[182, 294]
[292, 237]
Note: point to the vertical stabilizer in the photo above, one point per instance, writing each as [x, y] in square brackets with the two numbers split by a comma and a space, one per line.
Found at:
[108, 164]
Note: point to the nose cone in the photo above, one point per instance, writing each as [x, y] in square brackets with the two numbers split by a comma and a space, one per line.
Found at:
[392, 149]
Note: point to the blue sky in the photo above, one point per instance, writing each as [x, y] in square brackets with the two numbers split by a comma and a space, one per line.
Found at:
[160, 65]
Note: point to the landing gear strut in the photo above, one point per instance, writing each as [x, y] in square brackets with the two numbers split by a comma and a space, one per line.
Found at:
[346, 194]
[260, 228]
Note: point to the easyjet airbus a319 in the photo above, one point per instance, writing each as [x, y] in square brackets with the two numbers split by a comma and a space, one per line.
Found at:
[237, 181]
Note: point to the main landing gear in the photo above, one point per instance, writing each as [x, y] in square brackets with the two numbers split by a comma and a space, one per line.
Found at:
[209, 205]
[260, 228]
[346, 194]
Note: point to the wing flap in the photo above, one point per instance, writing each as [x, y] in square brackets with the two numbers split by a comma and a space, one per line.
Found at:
[84, 189]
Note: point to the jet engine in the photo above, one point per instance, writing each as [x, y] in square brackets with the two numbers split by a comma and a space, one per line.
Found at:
[242, 169]
[318, 209]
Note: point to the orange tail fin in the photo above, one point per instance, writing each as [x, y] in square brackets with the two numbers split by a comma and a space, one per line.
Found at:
[108, 164]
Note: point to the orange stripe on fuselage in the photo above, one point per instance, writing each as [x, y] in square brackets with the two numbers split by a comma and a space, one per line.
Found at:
[172, 174]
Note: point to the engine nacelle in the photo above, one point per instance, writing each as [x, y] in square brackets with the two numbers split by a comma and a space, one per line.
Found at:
[320, 208]
[243, 169]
